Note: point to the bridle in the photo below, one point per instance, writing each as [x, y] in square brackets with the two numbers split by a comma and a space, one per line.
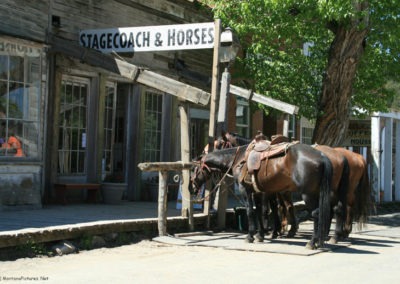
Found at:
[207, 171]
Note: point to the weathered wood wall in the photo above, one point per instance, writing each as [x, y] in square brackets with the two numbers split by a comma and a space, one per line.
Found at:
[33, 20]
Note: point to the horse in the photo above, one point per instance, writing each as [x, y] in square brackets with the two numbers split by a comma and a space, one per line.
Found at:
[227, 140]
[301, 169]
[230, 161]
[264, 204]
[340, 183]
[351, 196]
[359, 195]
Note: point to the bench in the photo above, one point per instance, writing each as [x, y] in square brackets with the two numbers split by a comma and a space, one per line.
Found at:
[61, 188]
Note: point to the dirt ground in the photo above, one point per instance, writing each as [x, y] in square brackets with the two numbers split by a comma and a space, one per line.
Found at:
[372, 256]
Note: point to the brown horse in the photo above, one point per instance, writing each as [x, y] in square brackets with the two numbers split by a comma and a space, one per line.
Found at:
[301, 168]
[231, 160]
[266, 206]
[359, 197]
[351, 192]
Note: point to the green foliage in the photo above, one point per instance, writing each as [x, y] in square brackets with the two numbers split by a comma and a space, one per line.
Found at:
[273, 32]
[86, 242]
[33, 249]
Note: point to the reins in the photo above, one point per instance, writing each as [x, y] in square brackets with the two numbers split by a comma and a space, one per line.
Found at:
[218, 185]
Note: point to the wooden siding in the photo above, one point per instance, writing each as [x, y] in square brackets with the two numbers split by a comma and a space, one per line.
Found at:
[32, 20]
[24, 19]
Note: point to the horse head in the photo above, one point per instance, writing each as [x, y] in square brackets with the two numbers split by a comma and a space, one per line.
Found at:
[199, 176]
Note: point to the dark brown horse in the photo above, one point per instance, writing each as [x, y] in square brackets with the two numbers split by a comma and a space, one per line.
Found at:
[301, 168]
[266, 213]
[351, 192]
[230, 160]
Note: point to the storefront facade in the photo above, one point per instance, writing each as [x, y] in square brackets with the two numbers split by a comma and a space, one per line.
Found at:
[79, 122]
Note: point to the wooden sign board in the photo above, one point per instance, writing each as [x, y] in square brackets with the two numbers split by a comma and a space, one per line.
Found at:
[149, 38]
[358, 134]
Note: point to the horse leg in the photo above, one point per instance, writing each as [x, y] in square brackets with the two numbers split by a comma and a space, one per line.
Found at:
[250, 217]
[259, 200]
[313, 243]
[349, 222]
[287, 200]
[277, 226]
[338, 210]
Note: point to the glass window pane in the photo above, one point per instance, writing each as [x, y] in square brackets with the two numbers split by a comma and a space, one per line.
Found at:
[3, 68]
[72, 127]
[16, 69]
[34, 70]
[20, 112]
[16, 100]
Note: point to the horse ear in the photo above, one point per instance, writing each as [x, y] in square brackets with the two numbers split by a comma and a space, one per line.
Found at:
[224, 135]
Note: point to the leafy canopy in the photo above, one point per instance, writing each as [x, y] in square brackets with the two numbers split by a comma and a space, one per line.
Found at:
[273, 34]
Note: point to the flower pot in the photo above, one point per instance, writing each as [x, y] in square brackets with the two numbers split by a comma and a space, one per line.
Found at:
[112, 192]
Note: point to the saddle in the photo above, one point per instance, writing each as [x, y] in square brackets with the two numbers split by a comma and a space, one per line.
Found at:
[272, 151]
[260, 150]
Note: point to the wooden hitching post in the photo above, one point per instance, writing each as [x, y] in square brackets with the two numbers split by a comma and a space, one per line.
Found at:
[162, 203]
[187, 204]
[213, 103]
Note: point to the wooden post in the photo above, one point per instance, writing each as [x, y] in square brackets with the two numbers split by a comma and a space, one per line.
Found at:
[187, 205]
[163, 168]
[397, 162]
[388, 165]
[376, 155]
[222, 205]
[285, 130]
[214, 83]
[223, 101]
[213, 103]
[162, 203]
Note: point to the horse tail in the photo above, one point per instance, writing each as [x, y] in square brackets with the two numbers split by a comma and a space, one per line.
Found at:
[324, 216]
[364, 204]
[343, 189]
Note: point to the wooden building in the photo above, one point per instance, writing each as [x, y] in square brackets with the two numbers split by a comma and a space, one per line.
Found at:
[82, 116]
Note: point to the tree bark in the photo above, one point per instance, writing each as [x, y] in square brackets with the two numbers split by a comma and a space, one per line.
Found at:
[334, 108]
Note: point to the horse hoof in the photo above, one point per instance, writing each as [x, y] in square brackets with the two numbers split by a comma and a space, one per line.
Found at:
[333, 241]
[249, 240]
[259, 238]
[311, 246]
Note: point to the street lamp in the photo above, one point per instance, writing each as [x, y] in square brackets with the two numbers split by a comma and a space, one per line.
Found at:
[227, 54]
[229, 47]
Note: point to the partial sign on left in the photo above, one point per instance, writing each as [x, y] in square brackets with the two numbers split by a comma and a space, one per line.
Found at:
[149, 38]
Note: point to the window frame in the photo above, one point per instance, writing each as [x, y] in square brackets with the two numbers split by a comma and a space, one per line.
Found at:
[81, 137]
[28, 125]
[240, 102]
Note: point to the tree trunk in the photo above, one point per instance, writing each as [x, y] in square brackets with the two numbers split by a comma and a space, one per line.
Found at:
[335, 102]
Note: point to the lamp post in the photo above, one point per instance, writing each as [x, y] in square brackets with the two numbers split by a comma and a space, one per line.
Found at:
[227, 54]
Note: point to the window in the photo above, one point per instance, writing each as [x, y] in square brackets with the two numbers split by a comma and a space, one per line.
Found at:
[242, 117]
[292, 127]
[109, 126]
[72, 126]
[307, 130]
[20, 100]
[152, 126]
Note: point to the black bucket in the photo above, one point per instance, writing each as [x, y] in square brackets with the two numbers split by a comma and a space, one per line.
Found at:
[242, 223]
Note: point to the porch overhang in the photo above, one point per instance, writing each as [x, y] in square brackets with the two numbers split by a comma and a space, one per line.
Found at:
[129, 71]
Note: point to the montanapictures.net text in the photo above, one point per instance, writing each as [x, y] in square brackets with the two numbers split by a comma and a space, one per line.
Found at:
[24, 278]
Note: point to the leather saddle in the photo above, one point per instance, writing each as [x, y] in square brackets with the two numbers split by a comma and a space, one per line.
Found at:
[263, 152]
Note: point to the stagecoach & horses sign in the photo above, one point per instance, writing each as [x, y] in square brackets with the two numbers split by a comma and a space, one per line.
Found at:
[149, 38]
